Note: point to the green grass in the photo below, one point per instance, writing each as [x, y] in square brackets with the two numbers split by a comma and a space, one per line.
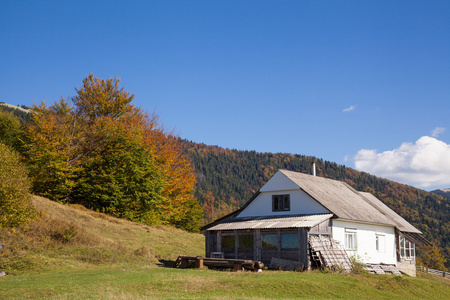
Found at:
[132, 282]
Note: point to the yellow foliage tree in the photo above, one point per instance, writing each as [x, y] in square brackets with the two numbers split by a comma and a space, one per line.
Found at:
[15, 199]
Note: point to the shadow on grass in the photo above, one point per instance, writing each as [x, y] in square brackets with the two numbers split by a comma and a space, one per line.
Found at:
[166, 263]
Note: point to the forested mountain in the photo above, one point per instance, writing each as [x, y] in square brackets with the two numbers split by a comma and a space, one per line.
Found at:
[445, 193]
[226, 179]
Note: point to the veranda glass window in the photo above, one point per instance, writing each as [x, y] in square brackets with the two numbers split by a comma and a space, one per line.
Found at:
[245, 241]
[269, 241]
[289, 240]
[406, 248]
[228, 242]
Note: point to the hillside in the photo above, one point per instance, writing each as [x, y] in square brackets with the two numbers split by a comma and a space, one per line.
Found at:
[66, 237]
[228, 178]
[445, 192]
[21, 112]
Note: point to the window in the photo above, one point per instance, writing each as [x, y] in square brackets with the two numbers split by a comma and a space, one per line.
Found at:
[245, 241]
[228, 241]
[289, 240]
[281, 203]
[269, 241]
[350, 239]
[380, 242]
[406, 248]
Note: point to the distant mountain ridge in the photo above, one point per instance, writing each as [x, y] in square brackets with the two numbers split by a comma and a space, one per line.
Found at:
[445, 192]
[22, 112]
[228, 178]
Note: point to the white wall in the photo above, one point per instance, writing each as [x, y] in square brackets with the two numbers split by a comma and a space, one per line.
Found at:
[279, 182]
[366, 241]
[301, 203]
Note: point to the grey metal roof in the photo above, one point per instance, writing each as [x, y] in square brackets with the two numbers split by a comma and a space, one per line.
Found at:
[347, 203]
[271, 222]
[399, 222]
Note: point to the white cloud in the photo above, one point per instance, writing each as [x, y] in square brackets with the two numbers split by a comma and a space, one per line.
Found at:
[423, 164]
[437, 131]
[349, 108]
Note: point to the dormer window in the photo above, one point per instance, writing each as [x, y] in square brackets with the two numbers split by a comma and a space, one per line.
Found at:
[281, 203]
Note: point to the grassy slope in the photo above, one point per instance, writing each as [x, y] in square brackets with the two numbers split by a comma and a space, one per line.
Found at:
[74, 237]
[74, 253]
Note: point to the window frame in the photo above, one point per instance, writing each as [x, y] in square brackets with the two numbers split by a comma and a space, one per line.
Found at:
[380, 243]
[406, 248]
[283, 205]
[353, 246]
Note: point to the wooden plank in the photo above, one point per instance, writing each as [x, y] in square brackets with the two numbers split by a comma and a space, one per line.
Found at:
[199, 263]
[237, 266]
[279, 244]
[286, 264]
[236, 243]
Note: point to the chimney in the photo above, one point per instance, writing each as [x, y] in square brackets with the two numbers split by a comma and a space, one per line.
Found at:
[313, 164]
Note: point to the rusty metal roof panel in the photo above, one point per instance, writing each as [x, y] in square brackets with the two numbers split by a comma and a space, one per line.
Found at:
[271, 222]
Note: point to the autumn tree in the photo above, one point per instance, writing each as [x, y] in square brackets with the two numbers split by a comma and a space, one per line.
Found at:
[431, 256]
[54, 149]
[15, 199]
[208, 206]
[111, 156]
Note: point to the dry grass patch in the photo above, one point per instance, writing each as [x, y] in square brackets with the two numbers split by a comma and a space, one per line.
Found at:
[72, 236]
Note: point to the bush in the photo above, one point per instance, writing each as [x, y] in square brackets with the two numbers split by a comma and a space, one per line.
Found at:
[15, 199]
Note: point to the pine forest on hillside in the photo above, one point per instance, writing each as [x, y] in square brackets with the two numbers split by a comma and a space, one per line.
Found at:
[226, 179]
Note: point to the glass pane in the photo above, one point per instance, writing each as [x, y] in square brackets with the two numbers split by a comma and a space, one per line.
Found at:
[289, 240]
[350, 241]
[275, 203]
[245, 241]
[269, 241]
[228, 241]
[286, 203]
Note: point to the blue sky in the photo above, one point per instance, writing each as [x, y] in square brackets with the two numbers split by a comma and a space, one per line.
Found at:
[361, 83]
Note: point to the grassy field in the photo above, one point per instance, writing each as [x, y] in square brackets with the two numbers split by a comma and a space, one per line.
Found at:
[70, 252]
[167, 283]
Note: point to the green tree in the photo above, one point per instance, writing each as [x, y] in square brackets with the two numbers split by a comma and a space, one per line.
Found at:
[15, 199]
[120, 177]
[11, 130]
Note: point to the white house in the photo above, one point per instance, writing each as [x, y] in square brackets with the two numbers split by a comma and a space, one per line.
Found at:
[292, 208]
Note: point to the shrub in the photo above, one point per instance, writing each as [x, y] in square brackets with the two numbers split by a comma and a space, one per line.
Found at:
[15, 199]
